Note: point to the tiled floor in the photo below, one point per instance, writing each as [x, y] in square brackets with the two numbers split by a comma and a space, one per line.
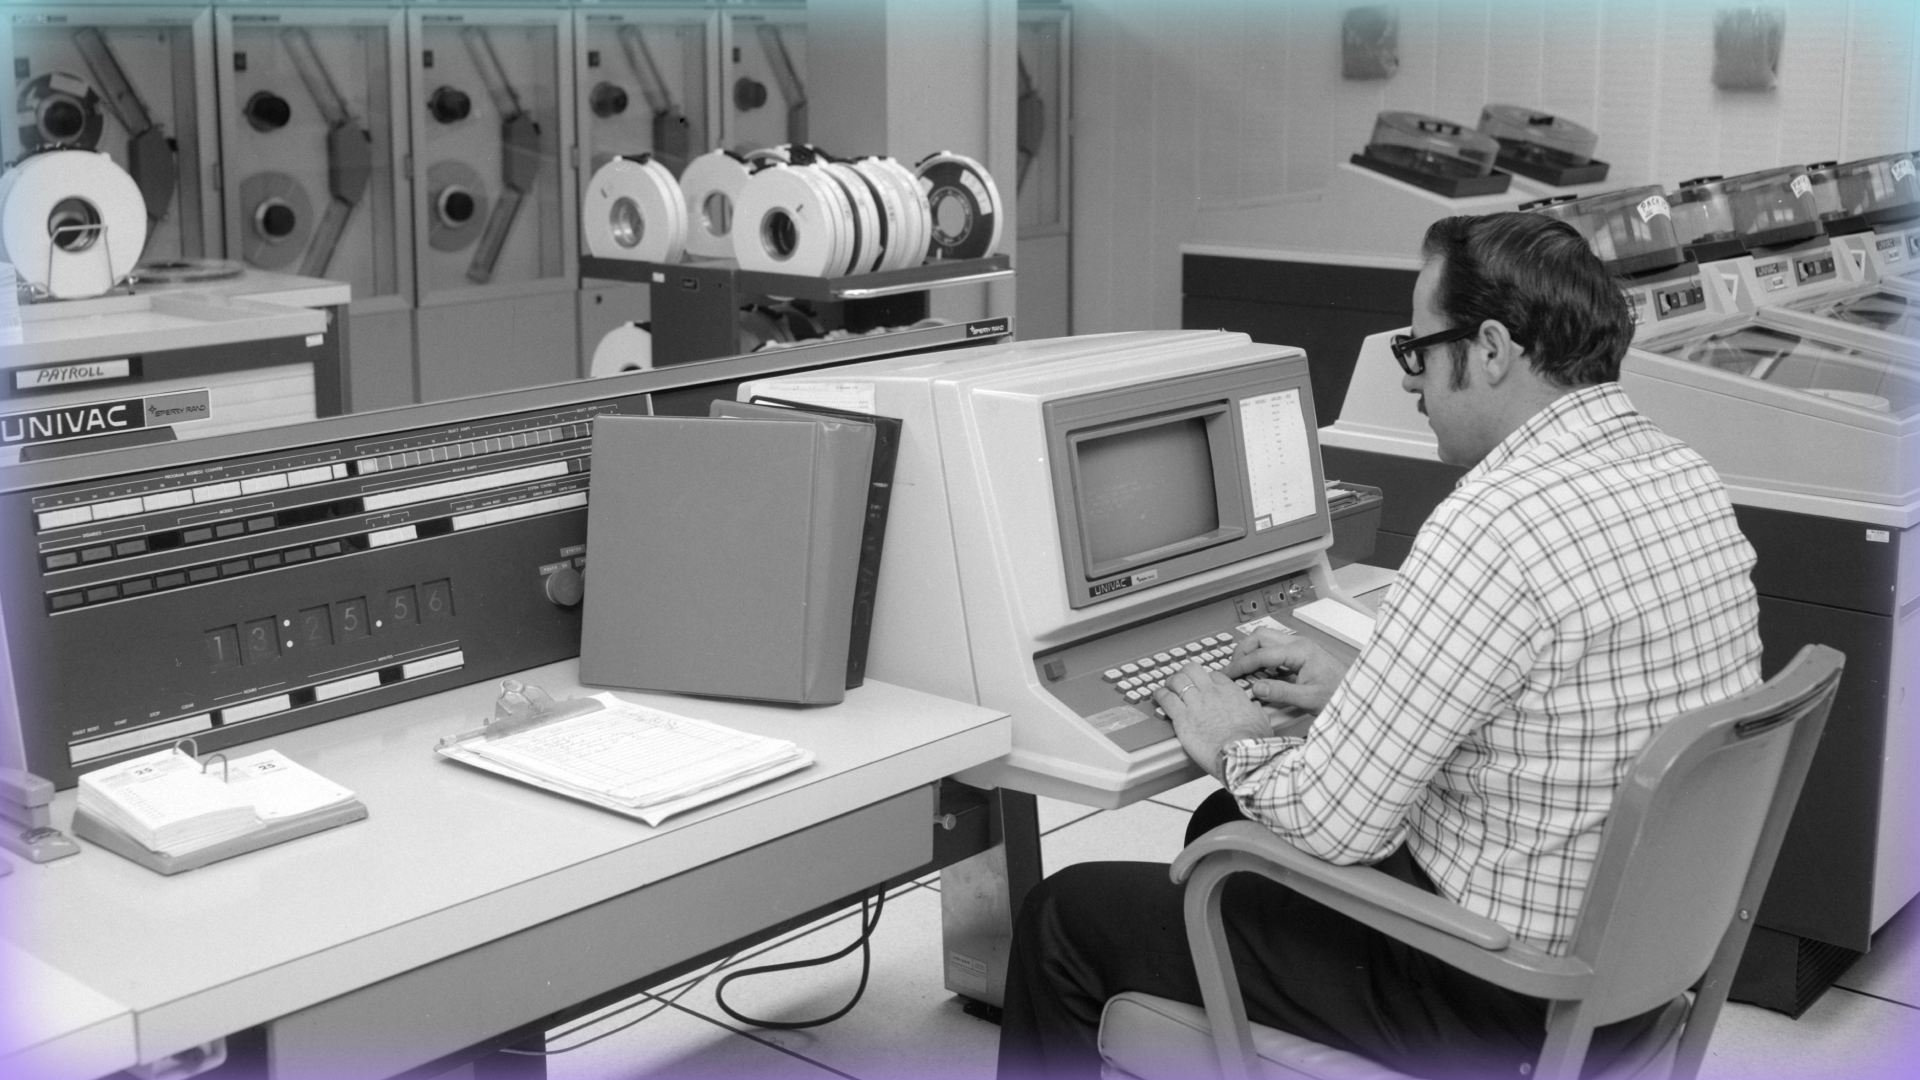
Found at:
[908, 1025]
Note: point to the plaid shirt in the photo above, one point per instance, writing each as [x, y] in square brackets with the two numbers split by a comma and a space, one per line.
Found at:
[1582, 585]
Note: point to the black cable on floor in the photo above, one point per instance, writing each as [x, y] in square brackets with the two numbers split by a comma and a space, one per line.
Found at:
[634, 1004]
[863, 943]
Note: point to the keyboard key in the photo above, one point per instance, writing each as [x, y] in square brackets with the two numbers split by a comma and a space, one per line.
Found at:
[65, 600]
[95, 554]
[1161, 658]
[231, 528]
[170, 581]
[130, 547]
[103, 592]
[1112, 675]
[203, 573]
[1132, 695]
[1130, 669]
[196, 536]
[62, 560]
[1178, 650]
[135, 587]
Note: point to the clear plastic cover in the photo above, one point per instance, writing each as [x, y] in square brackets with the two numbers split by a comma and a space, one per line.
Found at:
[1431, 145]
[1540, 136]
[1630, 229]
[127, 82]
[1040, 131]
[1825, 178]
[1878, 310]
[642, 82]
[488, 139]
[1850, 376]
[307, 117]
[764, 94]
[1773, 206]
[1702, 212]
[1882, 188]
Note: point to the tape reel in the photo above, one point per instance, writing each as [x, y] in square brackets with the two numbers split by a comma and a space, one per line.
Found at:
[456, 205]
[627, 347]
[634, 210]
[782, 225]
[276, 220]
[915, 224]
[712, 184]
[59, 111]
[868, 244]
[964, 206]
[72, 223]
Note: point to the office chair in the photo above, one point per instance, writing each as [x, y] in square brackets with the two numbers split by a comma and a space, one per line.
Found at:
[1684, 860]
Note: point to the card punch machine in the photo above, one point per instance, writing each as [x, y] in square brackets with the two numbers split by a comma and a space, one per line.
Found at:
[1075, 519]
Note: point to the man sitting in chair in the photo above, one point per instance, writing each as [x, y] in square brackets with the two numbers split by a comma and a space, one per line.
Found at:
[1585, 583]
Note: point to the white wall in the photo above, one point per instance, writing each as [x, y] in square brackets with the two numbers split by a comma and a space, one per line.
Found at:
[1213, 107]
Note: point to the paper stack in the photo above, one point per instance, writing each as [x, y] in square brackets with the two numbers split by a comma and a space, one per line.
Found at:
[642, 762]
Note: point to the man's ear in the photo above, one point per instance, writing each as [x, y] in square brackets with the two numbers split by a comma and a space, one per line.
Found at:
[1496, 352]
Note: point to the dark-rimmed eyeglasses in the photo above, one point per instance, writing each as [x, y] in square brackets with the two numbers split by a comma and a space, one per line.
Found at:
[1410, 351]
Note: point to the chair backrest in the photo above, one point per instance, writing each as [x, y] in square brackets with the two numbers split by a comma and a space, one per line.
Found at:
[1693, 833]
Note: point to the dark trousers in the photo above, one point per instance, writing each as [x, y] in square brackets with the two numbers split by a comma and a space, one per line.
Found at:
[1095, 930]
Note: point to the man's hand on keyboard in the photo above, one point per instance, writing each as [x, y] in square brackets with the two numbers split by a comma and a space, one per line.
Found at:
[1307, 673]
[1210, 710]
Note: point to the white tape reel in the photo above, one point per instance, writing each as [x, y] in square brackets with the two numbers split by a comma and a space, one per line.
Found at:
[964, 204]
[712, 185]
[633, 210]
[916, 226]
[783, 225]
[869, 243]
[72, 222]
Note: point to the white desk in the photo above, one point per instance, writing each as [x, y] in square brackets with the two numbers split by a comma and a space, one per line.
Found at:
[467, 905]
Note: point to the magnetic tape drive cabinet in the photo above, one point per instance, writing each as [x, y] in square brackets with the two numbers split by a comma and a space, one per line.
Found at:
[132, 81]
[234, 587]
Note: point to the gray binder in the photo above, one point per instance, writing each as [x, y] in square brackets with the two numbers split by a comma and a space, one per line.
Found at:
[722, 555]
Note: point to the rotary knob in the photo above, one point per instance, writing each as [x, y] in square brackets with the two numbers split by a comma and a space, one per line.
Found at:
[565, 587]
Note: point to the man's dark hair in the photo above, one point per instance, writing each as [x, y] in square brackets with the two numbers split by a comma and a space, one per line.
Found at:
[1538, 278]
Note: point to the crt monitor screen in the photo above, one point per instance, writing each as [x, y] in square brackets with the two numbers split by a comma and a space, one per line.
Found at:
[1146, 489]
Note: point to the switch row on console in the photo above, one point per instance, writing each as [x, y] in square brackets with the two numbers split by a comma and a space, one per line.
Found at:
[175, 498]
[195, 575]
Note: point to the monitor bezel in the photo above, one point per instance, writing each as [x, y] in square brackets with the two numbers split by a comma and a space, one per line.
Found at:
[1070, 420]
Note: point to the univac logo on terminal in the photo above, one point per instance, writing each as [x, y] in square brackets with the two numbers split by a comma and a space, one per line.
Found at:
[1141, 577]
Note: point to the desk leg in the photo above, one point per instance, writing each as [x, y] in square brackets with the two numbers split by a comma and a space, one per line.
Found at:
[503, 1066]
[980, 896]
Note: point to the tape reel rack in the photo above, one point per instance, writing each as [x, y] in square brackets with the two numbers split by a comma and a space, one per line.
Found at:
[696, 306]
[233, 587]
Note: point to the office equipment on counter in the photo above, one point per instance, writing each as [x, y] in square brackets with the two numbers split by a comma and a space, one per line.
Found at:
[631, 759]
[1063, 509]
[26, 818]
[1541, 146]
[725, 555]
[1438, 155]
[150, 596]
[873, 532]
[160, 365]
[171, 812]
[1351, 625]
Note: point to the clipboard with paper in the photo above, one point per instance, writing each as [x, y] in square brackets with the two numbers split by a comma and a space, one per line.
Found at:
[635, 760]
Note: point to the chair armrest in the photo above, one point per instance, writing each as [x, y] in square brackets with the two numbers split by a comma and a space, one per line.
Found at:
[1362, 883]
[1430, 923]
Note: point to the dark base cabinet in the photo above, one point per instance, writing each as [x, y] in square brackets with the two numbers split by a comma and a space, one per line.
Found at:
[1326, 310]
[1820, 581]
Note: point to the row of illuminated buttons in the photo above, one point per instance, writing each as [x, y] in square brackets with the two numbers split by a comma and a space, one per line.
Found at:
[408, 459]
[1161, 659]
[175, 730]
[494, 515]
[120, 590]
[179, 497]
[64, 560]
[467, 485]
